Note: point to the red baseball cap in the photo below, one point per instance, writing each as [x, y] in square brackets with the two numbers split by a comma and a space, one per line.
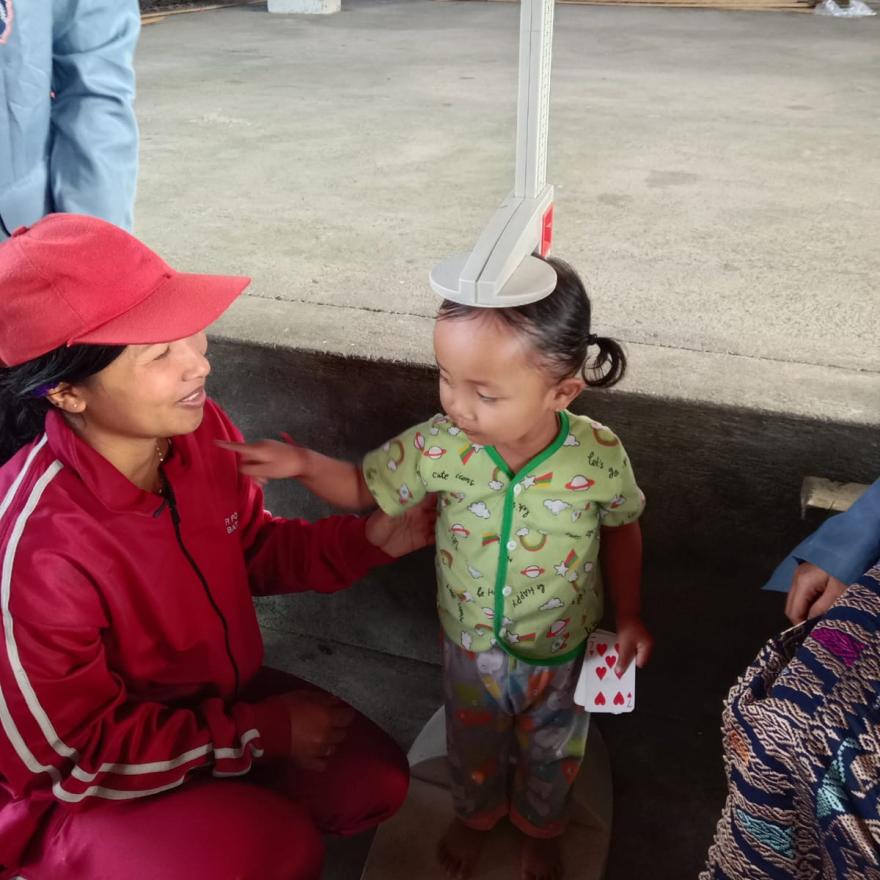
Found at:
[70, 279]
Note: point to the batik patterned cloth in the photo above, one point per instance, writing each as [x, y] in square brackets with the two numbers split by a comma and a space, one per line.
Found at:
[802, 752]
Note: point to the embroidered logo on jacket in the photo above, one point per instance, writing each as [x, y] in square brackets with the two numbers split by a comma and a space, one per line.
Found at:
[231, 522]
[5, 20]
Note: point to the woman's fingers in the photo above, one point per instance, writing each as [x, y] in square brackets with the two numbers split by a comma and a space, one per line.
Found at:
[807, 585]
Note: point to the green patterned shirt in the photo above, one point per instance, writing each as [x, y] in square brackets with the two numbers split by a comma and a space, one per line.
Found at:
[517, 554]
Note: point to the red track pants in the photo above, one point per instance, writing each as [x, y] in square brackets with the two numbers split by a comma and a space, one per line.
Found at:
[240, 829]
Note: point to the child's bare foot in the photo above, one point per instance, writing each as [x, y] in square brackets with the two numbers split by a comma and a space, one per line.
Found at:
[541, 858]
[459, 849]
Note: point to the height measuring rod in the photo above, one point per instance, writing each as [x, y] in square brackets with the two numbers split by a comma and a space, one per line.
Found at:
[501, 270]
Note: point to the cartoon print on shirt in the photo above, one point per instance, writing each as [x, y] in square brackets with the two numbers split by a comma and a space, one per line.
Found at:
[556, 505]
[550, 604]
[580, 483]
[396, 455]
[459, 531]
[495, 484]
[577, 514]
[404, 494]
[513, 638]
[558, 644]
[533, 545]
[556, 628]
[439, 421]
[568, 567]
[603, 436]
[479, 509]
[532, 571]
[466, 453]
[531, 480]
[571, 440]
[473, 572]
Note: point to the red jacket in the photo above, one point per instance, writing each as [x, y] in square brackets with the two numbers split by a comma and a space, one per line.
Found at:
[127, 620]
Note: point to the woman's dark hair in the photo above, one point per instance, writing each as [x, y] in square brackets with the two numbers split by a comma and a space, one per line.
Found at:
[558, 327]
[23, 402]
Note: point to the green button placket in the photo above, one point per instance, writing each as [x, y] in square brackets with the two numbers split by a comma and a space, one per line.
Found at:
[504, 538]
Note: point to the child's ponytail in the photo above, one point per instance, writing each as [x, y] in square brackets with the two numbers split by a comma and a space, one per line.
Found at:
[608, 366]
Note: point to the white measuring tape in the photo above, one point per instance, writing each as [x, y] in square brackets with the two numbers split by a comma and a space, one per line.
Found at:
[501, 270]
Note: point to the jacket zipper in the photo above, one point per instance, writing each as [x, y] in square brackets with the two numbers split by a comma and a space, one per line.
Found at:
[171, 502]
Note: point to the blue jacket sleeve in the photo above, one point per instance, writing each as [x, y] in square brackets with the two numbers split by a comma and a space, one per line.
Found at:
[93, 154]
[845, 546]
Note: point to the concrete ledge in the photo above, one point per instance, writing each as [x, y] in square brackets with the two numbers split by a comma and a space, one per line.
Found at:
[400, 339]
[722, 482]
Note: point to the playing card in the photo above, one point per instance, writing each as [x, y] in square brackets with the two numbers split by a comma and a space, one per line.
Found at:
[600, 688]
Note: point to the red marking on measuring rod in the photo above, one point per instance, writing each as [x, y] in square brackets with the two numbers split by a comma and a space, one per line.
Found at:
[547, 231]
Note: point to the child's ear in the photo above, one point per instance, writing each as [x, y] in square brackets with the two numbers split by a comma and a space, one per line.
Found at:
[566, 391]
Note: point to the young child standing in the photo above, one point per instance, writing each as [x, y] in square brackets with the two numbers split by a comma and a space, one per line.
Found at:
[537, 508]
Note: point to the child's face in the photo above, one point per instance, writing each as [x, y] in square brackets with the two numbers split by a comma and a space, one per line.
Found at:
[491, 384]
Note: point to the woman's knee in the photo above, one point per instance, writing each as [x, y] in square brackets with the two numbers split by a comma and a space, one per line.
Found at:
[265, 836]
[366, 785]
[219, 829]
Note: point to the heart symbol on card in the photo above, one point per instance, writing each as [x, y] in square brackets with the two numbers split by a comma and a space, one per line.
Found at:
[600, 671]
[600, 699]
[618, 699]
[601, 647]
[611, 660]
[620, 674]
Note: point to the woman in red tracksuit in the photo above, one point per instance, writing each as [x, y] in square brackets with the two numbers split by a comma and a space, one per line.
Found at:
[140, 737]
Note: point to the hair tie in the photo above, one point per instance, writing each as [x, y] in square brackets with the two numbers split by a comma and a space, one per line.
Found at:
[592, 339]
[44, 390]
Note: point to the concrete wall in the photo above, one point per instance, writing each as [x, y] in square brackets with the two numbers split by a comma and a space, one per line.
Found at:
[722, 488]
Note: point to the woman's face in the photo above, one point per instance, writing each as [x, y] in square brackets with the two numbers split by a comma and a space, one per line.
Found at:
[149, 391]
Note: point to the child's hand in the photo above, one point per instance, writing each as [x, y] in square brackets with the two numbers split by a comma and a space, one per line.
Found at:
[635, 642]
[399, 535]
[269, 459]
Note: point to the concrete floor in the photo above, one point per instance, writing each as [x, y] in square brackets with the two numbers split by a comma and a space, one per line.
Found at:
[716, 178]
[666, 757]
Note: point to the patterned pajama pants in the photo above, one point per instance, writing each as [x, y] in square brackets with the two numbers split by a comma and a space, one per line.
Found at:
[515, 737]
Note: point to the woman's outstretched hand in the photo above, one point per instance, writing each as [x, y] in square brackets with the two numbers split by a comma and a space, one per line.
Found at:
[402, 534]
